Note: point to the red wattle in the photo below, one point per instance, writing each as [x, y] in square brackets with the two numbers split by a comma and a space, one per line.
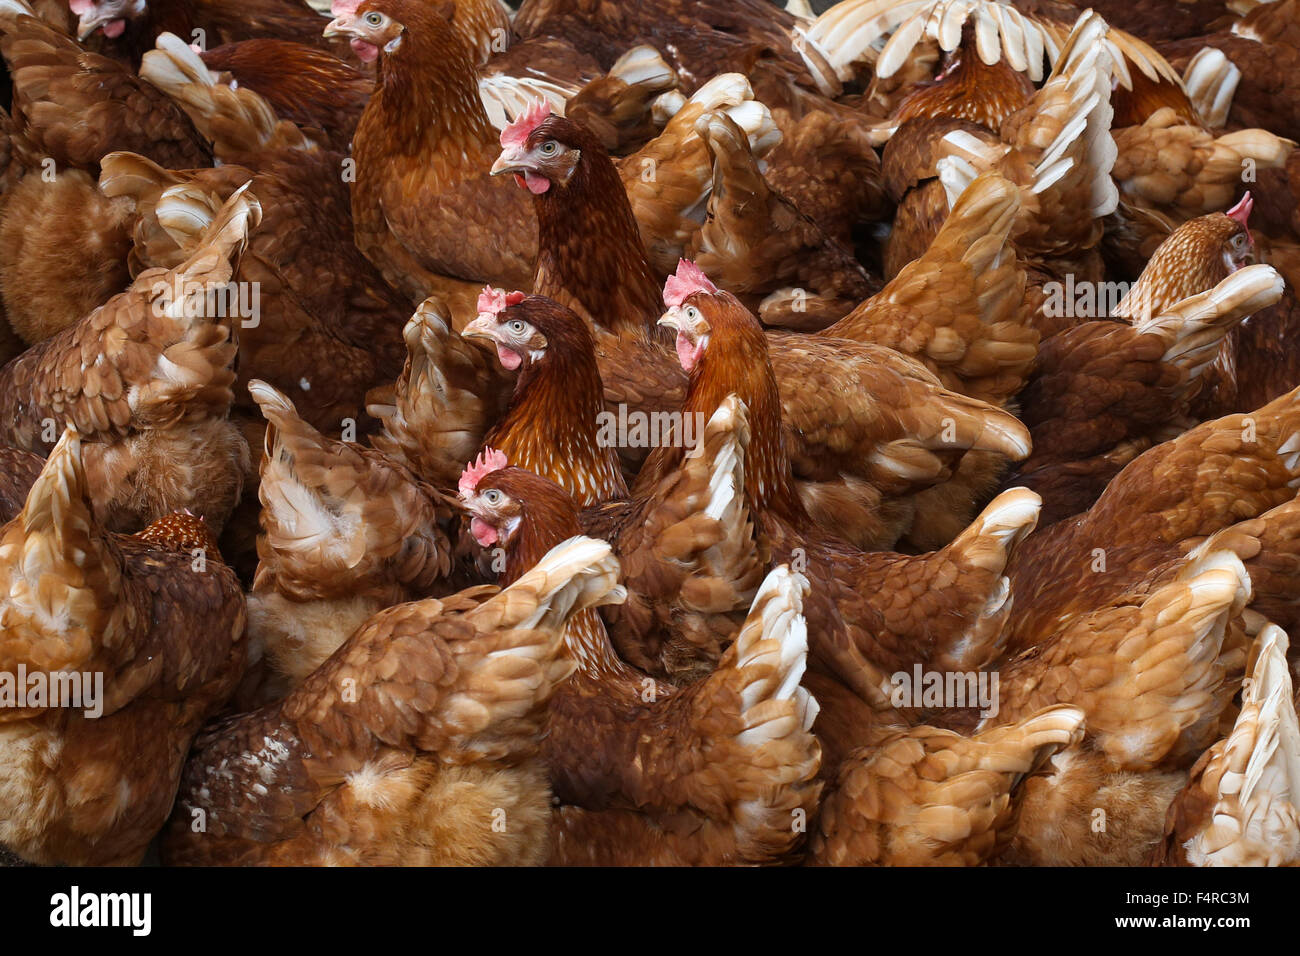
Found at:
[687, 352]
[368, 52]
[509, 360]
[483, 532]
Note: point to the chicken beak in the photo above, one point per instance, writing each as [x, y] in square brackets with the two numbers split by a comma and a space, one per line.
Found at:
[510, 161]
[481, 328]
[90, 22]
[339, 26]
[670, 320]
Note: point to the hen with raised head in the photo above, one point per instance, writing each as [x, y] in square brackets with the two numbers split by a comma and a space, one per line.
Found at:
[870, 614]
[422, 201]
[648, 772]
[426, 136]
[612, 285]
[686, 542]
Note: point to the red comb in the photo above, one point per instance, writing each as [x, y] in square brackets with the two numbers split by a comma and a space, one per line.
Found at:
[1241, 211]
[689, 279]
[489, 460]
[493, 301]
[344, 7]
[517, 133]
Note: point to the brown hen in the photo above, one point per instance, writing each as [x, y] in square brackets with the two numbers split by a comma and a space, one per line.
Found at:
[150, 627]
[1239, 805]
[869, 614]
[346, 532]
[714, 772]
[416, 743]
[148, 377]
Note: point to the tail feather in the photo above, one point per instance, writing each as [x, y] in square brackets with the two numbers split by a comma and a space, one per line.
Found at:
[782, 756]
[620, 106]
[944, 421]
[130, 174]
[16, 8]
[193, 370]
[465, 677]
[978, 341]
[1269, 546]
[983, 551]
[450, 390]
[1276, 426]
[1064, 134]
[932, 797]
[506, 97]
[338, 519]
[1147, 670]
[302, 517]
[645, 67]
[1195, 327]
[1252, 779]
[742, 764]
[221, 235]
[853, 31]
[728, 569]
[1177, 167]
[59, 586]
[774, 642]
[1211, 80]
[576, 574]
[237, 120]
[1008, 520]
[165, 232]
[1073, 109]
[1001, 32]
[670, 205]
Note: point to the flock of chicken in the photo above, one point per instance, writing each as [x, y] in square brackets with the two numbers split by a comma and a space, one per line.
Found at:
[870, 438]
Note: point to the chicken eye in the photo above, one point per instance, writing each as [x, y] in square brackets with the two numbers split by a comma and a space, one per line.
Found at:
[549, 147]
[692, 313]
[1238, 240]
[516, 327]
[492, 496]
[374, 19]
